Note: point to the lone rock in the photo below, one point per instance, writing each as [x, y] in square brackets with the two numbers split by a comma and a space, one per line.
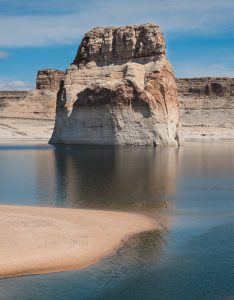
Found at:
[120, 90]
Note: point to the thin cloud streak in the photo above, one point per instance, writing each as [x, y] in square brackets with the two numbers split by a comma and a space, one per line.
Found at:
[4, 54]
[15, 85]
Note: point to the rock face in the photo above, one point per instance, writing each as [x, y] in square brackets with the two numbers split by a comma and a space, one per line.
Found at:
[120, 90]
[207, 108]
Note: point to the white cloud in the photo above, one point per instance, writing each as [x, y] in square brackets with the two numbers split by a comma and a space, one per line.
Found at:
[173, 15]
[15, 85]
[4, 54]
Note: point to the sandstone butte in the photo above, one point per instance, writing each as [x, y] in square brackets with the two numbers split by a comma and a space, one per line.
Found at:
[120, 90]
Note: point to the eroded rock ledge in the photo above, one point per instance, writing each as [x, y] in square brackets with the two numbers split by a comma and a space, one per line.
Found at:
[120, 90]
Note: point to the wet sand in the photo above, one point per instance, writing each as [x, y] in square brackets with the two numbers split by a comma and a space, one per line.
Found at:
[36, 240]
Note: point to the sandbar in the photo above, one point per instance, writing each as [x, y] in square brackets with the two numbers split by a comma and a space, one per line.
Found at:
[37, 240]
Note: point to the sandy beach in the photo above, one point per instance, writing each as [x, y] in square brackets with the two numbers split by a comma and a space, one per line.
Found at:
[36, 240]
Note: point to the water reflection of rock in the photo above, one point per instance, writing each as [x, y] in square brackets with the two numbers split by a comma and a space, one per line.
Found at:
[213, 159]
[123, 178]
[45, 177]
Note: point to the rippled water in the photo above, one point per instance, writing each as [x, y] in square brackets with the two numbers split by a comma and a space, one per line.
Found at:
[192, 258]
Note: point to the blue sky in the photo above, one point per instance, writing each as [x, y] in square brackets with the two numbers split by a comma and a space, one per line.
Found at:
[36, 34]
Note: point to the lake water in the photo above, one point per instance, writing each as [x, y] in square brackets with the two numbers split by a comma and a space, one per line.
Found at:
[191, 258]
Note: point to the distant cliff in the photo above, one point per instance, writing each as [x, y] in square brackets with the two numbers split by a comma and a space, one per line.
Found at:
[30, 114]
[9, 97]
[40, 101]
[120, 90]
[207, 108]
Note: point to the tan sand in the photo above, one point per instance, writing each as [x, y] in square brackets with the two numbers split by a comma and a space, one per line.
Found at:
[37, 240]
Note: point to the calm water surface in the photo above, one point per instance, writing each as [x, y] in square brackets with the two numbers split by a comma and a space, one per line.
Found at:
[191, 187]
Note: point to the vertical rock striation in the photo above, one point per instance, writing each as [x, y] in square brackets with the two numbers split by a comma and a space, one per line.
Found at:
[120, 90]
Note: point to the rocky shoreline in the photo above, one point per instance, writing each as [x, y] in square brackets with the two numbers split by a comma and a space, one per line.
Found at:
[205, 114]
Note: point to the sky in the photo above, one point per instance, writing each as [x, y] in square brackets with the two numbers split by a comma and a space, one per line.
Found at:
[37, 34]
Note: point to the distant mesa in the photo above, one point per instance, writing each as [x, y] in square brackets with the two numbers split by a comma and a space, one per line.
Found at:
[120, 90]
